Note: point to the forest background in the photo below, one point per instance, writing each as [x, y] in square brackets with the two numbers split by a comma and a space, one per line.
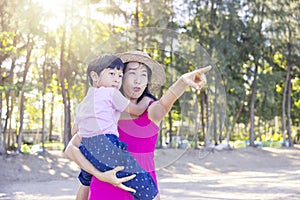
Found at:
[253, 95]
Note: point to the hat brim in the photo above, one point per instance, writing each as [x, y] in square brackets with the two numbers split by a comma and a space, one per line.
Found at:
[158, 73]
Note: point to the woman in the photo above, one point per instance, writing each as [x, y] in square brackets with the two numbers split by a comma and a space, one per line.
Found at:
[139, 132]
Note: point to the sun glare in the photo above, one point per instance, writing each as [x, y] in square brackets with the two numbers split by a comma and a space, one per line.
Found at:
[53, 12]
[98, 12]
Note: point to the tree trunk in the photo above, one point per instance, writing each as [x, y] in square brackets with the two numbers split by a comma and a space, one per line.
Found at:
[69, 112]
[10, 106]
[258, 128]
[196, 110]
[170, 128]
[2, 143]
[220, 129]
[137, 22]
[10, 138]
[51, 117]
[283, 109]
[208, 132]
[63, 89]
[289, 113]
[202, 114]
[51, 109]
[29, 47]
[252, 106]
[20, 132]
[236, 117]
[289, 90]
[227, 130]
[215, 114]
[5, 135]
[43, 98]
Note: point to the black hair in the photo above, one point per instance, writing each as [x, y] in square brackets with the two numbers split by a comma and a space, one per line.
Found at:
[146, 92]
[102, 62]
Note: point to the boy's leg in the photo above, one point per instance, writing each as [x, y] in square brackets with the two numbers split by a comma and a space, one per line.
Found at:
[106, 152]
[82, 192]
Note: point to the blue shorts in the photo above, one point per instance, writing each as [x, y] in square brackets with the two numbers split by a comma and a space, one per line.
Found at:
[106, 152]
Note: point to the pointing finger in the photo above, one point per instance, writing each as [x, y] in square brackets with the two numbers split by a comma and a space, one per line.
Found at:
[202, 70]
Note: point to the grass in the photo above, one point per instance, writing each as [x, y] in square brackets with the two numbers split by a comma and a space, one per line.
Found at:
[26, 148]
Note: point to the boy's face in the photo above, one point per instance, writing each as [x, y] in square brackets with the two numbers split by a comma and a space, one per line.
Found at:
[110, 78]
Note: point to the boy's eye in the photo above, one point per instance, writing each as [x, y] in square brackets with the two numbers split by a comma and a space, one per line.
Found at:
[121, 75]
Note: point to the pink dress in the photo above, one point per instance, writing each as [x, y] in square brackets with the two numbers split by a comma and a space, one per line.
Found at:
[140, 135]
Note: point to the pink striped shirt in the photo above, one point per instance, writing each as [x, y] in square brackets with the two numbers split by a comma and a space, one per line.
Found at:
[100, 111]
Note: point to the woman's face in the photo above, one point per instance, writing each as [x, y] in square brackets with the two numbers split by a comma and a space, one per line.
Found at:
[135, 80]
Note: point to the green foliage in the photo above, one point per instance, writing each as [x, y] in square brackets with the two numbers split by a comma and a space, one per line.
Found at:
[54, 146]
[25, 149]
[235, 36]
[6, 44]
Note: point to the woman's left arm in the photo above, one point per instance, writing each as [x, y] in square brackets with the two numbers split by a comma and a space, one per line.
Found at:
[160, 108]
[73, 152]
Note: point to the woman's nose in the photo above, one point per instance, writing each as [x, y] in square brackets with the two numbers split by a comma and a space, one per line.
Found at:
[137, 79]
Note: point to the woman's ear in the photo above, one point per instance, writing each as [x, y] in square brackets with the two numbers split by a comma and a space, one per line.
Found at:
[94, 76]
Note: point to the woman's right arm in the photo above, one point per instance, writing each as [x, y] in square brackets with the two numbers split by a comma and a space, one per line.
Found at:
[73, 152]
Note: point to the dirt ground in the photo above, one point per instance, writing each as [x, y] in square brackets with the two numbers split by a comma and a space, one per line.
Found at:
[248, 173]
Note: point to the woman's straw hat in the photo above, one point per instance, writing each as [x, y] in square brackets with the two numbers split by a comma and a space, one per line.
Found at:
[158, 73]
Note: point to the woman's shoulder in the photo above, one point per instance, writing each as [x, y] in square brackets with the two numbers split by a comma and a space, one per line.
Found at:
[155, 112]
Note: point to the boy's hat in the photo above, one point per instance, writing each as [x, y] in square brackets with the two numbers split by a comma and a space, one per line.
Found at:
[158, 73]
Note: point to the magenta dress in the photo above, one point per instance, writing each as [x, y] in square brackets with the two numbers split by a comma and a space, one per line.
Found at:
[140, 135]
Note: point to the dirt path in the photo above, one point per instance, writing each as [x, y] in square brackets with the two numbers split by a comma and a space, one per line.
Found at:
[251, 174]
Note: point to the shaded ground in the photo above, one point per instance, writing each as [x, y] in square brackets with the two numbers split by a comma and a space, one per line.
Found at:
[250, 173]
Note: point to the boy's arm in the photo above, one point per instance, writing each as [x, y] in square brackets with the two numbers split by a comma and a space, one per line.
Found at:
[139, 108]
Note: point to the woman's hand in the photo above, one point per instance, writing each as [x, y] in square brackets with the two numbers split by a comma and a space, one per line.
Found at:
[196, 78]
[73, 152]
[111, 177]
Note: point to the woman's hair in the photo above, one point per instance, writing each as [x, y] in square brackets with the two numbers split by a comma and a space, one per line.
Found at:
[102, 62]
[146, 92]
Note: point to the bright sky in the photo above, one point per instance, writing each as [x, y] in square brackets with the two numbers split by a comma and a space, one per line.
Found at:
[55, 9]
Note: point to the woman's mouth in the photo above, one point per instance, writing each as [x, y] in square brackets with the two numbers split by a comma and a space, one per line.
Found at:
[136, 89]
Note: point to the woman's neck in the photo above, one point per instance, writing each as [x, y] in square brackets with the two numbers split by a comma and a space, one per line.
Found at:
[133, 100]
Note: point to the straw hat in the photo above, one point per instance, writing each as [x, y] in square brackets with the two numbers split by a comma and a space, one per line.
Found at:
[158, 73]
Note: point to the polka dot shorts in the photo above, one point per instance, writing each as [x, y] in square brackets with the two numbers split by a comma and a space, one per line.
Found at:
[106, 152]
